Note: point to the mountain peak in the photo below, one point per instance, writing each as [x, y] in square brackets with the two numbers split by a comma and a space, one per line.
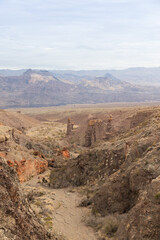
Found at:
[28, 71]
[34, 76]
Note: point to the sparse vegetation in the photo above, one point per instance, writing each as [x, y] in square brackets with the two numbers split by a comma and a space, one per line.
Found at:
[38, 203]
[110, 226]
[48, 223]
[157, 196]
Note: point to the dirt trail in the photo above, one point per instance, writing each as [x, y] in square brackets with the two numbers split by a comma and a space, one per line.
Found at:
[67, 217]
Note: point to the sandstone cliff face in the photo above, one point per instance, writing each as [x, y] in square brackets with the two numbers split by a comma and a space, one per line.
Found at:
[17, 219]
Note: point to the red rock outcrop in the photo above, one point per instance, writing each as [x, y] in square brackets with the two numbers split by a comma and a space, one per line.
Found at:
[65, 153]
[27, 168]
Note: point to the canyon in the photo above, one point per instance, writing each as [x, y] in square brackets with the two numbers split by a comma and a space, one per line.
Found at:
[84, 172]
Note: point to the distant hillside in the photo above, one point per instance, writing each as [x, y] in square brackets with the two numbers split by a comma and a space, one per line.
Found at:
[142, 76]
[36, 88]
[8, 72]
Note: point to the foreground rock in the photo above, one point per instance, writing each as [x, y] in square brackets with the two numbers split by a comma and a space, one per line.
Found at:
[17, 219]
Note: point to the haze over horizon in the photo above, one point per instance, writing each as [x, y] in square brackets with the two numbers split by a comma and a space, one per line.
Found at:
[86, 34]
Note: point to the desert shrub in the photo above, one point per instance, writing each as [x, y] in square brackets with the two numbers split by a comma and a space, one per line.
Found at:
[104, 226]
[110, 226]
[29, 145]
[48, 218]
[49, 224]
[38, 203]
[95, 222]
[157, 196]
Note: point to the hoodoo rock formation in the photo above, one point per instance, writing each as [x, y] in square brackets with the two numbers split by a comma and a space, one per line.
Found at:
[97, 129]
[109, 128]
[70, 126]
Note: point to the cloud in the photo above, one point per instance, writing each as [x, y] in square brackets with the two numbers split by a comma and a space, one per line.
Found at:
[79, 34]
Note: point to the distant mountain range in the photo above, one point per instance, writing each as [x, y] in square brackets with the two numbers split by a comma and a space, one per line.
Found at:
[141, 76]
[35, 88]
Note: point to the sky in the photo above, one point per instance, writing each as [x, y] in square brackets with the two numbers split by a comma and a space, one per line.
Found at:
[79, 34]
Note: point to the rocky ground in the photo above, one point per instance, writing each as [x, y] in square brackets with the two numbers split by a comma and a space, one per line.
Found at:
[108, 188]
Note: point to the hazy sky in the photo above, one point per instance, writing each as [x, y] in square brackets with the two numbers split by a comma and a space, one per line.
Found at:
[79, 34]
